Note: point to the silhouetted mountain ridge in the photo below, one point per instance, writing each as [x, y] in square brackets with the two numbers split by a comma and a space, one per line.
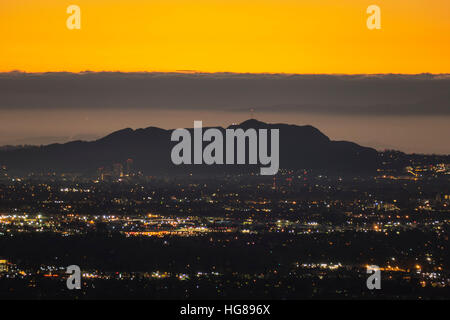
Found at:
[301, 147]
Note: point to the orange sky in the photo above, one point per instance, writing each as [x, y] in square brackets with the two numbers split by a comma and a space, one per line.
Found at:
[291, 36]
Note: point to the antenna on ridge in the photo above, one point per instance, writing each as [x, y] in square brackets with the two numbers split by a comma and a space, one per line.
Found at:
[252, 115]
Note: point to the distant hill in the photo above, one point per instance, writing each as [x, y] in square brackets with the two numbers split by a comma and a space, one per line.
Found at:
[301, 147]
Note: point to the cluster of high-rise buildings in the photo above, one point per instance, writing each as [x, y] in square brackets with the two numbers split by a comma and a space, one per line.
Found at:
[116, 170]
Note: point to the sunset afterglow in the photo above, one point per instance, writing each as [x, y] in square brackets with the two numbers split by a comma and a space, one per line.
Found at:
[303, 36]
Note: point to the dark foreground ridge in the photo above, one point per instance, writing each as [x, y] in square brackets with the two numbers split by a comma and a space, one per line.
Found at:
[301, 147]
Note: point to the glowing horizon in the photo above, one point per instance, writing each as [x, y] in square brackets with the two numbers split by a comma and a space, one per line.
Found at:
[245, 36]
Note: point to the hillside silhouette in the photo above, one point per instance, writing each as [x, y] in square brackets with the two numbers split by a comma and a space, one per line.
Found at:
[301, 147]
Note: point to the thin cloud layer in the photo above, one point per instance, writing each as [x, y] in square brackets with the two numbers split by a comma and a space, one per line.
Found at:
[392, 95]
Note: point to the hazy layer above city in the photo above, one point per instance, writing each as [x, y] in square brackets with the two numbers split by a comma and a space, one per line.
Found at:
[405, 112]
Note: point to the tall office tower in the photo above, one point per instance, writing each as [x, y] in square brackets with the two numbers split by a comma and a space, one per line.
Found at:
[129, 167]
[118, 169]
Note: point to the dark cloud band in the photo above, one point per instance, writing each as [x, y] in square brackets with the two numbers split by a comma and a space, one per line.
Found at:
[390, 94]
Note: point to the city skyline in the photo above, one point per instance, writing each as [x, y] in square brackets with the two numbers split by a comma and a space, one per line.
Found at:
[224, 157]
